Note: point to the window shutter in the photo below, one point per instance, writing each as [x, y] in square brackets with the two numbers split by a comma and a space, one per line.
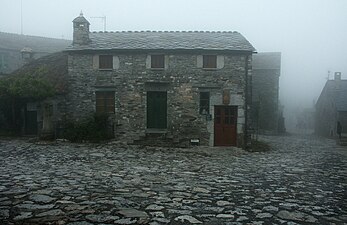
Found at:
[199, 61]
[95, 62]
[148, 62]
[220, 61]
[115, 62]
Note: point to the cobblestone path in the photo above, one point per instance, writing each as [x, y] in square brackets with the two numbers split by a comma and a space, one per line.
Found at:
[301, 181]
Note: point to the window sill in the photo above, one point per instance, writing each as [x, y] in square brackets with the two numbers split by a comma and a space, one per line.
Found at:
[156, 131]
[105, 69]
[211, 69]
[157, 69]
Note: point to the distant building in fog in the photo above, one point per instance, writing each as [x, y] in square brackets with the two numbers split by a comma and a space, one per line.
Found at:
[266, 111]
[16, 49]
[331, 107]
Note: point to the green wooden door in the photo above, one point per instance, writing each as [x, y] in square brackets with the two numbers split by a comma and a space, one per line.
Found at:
[156, 109]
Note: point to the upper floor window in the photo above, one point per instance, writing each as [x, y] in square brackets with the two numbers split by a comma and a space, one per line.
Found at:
[209, 61]
[106, 62]
[157, 61]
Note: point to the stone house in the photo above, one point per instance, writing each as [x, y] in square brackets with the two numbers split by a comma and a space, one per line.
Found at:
[162, 87]
[266, 111]
[331, 107]
[159, 88]
[30, 117]
[17, 50]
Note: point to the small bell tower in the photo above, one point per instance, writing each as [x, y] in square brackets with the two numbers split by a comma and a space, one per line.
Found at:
[80, 30]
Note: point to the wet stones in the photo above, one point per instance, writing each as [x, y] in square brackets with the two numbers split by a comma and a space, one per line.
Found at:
[132, 185]
[29, 206]
[4, 213]
[51, 213]
[101, 218]
[187, 219]
[154, 208]
[132, 213]
[41, 198]
[296, 216]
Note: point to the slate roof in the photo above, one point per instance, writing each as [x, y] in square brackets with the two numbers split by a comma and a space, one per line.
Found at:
[54, 67]
[166, 40]
[266, 60]
[338, 95]
[17, 42]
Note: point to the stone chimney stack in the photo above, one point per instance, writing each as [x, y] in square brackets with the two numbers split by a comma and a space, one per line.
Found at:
[80, 30]
[337, 78]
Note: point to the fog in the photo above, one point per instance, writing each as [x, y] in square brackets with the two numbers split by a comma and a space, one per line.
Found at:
[311, 34]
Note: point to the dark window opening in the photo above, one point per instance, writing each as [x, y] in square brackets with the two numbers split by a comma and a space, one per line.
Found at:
[157, 61]
[105, 62]
[209, 61]
[204, 107]
[105, 101]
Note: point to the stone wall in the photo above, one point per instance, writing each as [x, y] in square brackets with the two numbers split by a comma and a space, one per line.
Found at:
[265, 91]
[182, 79]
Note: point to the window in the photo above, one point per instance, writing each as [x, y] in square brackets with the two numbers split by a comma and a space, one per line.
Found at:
[105, 62]
[229, 116]
[157, 61]
[209, 61]
[105, 101]
[204, 107]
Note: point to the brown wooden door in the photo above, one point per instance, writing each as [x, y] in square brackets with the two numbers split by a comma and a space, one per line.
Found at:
[225, 122]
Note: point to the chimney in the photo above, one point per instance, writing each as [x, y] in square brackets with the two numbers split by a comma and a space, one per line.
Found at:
[27, 55]
[337, 78]
[80, 30]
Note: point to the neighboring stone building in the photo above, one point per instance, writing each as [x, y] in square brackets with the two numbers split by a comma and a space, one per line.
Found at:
[30, 118]
[266, 112]
[16, 49]
[331, 107]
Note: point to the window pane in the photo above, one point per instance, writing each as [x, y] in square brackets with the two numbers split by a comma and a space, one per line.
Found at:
[204, 107]
[105, 101]
[105, 61]
[157, 61]
[209, 61]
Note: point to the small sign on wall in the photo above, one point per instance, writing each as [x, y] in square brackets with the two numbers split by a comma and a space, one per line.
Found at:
[226, 97]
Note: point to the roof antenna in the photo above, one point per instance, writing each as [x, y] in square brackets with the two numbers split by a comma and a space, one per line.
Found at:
[103, 18]
[328, 75]
[21, 17]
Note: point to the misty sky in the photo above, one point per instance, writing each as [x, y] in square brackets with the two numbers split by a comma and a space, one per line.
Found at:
[311, 34]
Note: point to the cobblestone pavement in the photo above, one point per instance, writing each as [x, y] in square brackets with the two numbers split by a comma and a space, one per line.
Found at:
[301, 181]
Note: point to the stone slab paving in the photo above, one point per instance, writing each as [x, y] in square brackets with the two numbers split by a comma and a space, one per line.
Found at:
[301, 181]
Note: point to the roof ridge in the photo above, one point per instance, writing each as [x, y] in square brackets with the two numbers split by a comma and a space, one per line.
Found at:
[166, 31]
[31, 36]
